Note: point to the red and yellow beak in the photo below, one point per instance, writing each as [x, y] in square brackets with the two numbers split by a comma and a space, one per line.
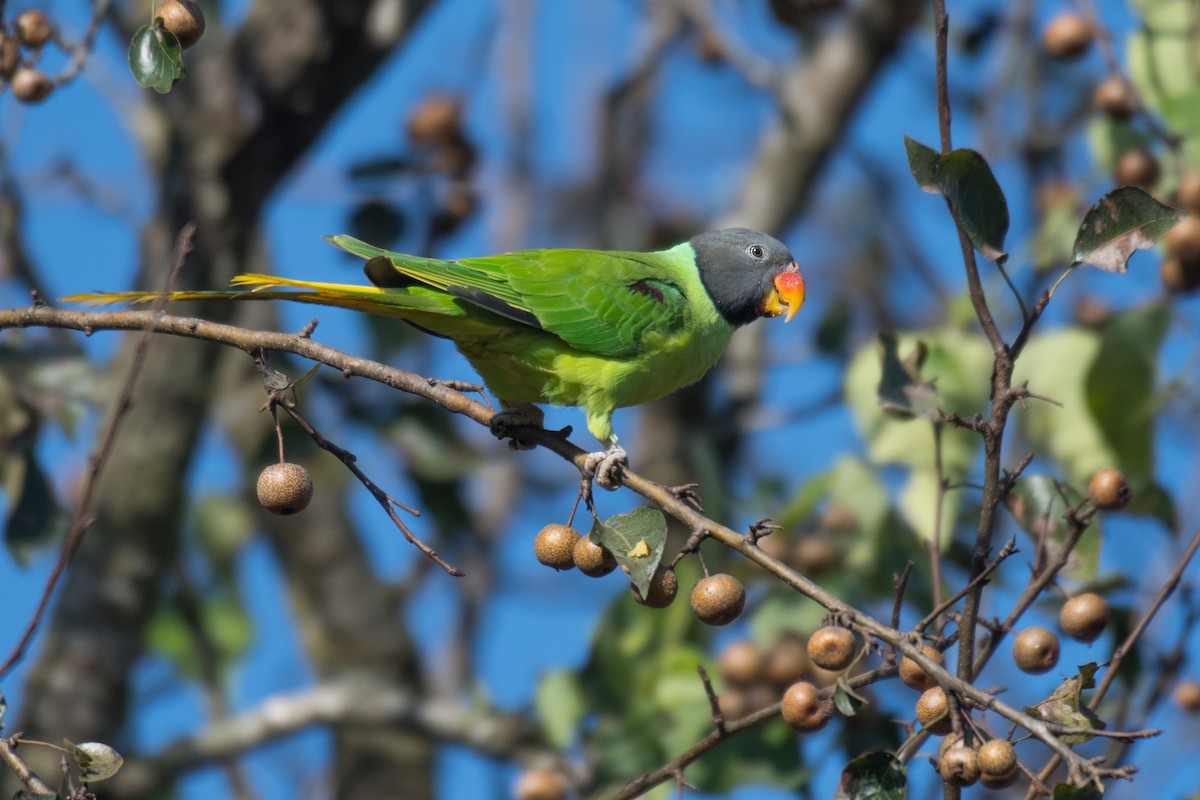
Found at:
[787, 295]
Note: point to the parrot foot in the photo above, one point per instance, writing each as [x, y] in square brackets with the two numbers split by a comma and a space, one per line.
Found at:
[605, 466]
[526, 415]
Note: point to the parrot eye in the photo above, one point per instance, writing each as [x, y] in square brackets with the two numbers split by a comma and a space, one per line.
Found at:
[756, 251]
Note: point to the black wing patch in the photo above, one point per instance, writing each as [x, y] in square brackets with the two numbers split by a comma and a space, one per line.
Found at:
[494, 304]
[383, 273]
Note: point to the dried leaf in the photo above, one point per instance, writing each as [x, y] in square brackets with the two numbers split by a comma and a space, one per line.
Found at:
[1125, 220]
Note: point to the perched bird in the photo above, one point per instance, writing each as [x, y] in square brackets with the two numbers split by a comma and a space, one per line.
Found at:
[596, 329]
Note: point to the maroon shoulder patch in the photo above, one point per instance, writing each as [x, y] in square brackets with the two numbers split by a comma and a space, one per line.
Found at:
[647, 288]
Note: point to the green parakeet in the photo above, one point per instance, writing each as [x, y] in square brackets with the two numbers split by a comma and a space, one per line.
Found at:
[596, 329]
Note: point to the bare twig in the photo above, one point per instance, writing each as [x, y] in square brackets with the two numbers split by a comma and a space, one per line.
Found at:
[83, 517]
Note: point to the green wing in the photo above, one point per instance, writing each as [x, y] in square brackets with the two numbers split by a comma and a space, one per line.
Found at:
[607, 303]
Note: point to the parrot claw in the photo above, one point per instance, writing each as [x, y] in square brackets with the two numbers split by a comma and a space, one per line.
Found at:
[605, 466]
[522, 416]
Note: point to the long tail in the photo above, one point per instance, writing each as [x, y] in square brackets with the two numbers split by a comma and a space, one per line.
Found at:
[269, 287]
[401, 302]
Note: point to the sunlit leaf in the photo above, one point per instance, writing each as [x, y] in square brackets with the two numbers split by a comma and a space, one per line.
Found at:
[97, 761]
[876, 775]
[1123, 221]
[1120, 387]
[636, 540]
[1065, 707]
[900, 389]
[1037, 504]
[155, 58]
[560, 706]
[1056, 365]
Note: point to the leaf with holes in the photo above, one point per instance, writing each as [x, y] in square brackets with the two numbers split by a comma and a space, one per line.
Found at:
[1065, 706]
[1125, 220]
[636, 539]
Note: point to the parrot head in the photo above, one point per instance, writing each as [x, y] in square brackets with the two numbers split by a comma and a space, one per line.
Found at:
[748, 275]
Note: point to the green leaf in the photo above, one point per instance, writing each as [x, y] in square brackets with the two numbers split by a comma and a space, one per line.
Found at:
[155, 57]
[97, 761]
[636, 539]
[765, 755]
[900, 389]
[1038, 507]
[964, 178]
[1056, 365]
[1124, 220]
[1153, 500]
[1065, 707]
[977, 200]
[32, 514]
[1065, 791]
[1120, 388]
[845, 698]
[560, 706]
[922, 162]
[877, 775]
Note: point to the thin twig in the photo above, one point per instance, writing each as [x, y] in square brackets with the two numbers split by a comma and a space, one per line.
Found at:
[83, 517]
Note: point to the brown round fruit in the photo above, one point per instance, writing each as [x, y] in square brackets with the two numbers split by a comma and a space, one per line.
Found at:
[1183, 239]
[741, 663]
[1177, 277]
[832, 647]
[1188, 192]
[914, 676]
[733, 703]
[1108, 489]
[539, 784]
[31, 85]
[33, 28]
[555, 546]
[1084, 617]
[718, 599]
[815, 555]
[997, 757]
[661, 591]
[1035, 650]
[1067, 37]
[787, 660]
[284, 488]
[593, 560]
[1187, 696]
[10, 55]
[997, 782]
[1115, 97]
[932, 707]
[959, 766]
[804, 708]
[184, 19]
[437, 118]
[1136, 167]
